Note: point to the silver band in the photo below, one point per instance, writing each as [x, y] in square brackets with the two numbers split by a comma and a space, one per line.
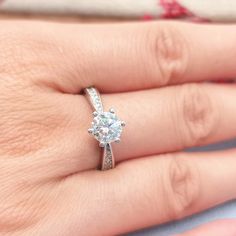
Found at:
[94, 98]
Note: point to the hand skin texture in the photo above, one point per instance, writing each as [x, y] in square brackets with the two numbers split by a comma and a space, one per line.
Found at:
[154, 75]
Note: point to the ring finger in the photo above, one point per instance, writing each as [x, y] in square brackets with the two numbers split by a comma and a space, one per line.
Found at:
[169, 119]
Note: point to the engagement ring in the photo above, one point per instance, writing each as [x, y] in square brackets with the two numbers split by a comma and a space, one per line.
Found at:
[106, 127]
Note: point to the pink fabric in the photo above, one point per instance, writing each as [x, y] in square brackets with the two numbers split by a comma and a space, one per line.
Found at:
[173, 9]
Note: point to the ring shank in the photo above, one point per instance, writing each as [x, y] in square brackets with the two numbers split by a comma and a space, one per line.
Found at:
[108, 158]
[95, 100]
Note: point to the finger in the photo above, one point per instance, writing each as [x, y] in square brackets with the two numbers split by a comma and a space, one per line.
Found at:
[217, 228]
[117, 57]
[124, 57]
[150, 191]
[166, 120]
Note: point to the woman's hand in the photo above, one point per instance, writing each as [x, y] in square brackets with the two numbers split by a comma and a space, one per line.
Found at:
[49, 184]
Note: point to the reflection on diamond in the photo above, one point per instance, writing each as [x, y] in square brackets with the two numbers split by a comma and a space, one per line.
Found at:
[106, 127]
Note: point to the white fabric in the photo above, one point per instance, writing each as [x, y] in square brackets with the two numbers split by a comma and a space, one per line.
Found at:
[216, 10]
[132, 8]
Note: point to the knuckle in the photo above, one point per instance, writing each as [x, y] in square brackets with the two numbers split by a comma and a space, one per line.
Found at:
[199, 115]
[182, 186]
[170, 52]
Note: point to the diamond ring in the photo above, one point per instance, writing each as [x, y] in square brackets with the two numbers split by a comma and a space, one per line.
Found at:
[106, 127]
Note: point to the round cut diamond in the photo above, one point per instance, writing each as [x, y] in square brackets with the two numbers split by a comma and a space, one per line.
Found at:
[106, 127]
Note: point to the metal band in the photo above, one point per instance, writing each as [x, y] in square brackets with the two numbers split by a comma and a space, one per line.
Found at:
[108, 161]
[95, 100]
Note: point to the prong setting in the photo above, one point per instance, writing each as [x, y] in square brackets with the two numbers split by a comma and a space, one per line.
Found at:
[95, 114]
[90, 130]
[112, 110]
[117, 140]
[101, 144]
[123, 123]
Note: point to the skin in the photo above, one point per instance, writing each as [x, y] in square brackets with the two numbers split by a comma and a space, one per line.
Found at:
[154, 75]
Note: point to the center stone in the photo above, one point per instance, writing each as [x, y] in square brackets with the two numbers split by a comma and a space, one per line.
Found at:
[106, 127]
